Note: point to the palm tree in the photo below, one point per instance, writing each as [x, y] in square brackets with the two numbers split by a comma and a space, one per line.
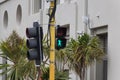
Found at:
[14, 50]
[81, 53]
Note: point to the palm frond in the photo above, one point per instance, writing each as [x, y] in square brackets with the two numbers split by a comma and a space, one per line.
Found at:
[83, 52]
[14, 50]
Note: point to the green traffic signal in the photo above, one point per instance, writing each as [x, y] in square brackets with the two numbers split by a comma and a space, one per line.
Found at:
[61, 37]
[59, 43]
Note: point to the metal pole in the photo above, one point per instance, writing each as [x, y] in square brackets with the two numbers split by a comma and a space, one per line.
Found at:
[85, 14]
[52, 46]
[86, 25]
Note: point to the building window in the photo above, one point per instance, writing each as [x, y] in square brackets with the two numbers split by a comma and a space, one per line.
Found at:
[19, 14]
[5, 19]
[35, 6]
[101, 67]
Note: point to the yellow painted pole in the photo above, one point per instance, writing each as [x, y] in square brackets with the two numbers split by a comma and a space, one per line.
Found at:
[52, 46]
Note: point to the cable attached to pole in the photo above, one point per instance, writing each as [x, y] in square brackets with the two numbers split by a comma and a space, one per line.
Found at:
[51, 15]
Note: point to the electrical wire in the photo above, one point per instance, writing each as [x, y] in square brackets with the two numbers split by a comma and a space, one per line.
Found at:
[51, 15]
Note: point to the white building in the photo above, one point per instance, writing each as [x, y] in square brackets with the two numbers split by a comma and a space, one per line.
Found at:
[98, 17]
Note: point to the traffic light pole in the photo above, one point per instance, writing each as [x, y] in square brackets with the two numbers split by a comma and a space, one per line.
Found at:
[52, 46]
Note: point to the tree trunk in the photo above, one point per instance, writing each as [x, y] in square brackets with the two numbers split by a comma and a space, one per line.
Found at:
[82, 75]
[39, 74]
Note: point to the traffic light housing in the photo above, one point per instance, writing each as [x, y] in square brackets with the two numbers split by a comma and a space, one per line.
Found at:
[34, 43]
[61, 37]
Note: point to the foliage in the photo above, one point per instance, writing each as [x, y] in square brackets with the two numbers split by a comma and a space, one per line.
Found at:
[14, 50]
[59, 75]
[81, 53]
[78, 55]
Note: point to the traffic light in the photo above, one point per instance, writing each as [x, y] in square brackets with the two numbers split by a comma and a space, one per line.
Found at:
[61, 37]
[34, 43]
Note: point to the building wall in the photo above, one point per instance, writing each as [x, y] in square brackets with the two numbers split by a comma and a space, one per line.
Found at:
[109, 14]
[26, 17]
[100, 12]
[113, 41]
[67, 14]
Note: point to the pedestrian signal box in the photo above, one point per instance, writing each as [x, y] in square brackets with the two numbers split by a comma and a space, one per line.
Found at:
[61, 37]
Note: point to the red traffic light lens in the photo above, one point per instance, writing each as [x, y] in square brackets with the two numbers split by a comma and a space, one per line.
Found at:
[61, 32]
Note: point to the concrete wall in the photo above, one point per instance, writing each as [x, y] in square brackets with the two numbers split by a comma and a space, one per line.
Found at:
[109, 14]
[113, 40]
[26, 19]
[100, 12]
